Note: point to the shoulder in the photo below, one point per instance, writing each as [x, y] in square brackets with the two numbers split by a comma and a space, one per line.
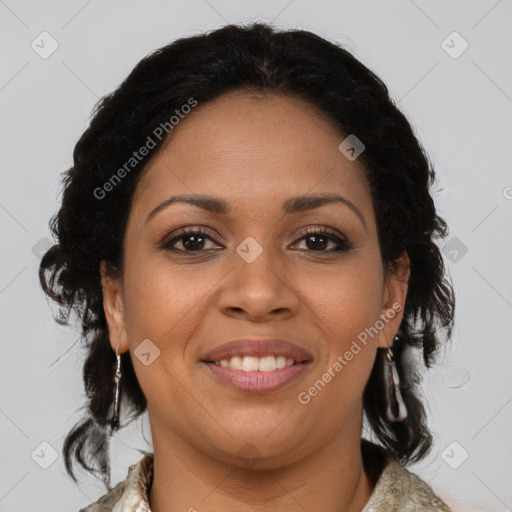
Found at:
[130, 491]
[399, 490]
[107, 501]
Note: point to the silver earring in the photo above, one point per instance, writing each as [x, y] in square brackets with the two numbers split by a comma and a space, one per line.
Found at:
[114, 423]
[396, 410]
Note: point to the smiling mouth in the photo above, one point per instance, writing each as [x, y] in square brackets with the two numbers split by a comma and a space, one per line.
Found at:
[253, 374]
[252, 363]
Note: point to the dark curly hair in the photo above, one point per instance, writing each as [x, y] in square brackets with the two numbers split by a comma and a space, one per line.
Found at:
[257, 58]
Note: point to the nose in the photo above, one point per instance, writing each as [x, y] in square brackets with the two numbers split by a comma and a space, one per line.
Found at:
[258, 291]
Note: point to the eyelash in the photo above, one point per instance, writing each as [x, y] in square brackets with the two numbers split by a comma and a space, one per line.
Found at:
[342, 245]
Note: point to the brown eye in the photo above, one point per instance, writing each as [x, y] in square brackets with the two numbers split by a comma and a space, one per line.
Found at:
[190, 240]
[319, 240]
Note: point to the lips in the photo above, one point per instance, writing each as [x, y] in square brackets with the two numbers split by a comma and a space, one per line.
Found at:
[256, 365]
[257, 347]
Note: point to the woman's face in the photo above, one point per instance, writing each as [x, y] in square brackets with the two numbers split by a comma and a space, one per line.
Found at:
[254, 271]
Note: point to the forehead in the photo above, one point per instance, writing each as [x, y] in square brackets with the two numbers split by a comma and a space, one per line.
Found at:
[253, 148]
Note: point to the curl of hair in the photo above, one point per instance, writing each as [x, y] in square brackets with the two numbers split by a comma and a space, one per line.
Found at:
[260, 59]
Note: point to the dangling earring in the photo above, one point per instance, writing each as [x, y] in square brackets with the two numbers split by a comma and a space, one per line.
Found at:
[396, 410]
[114, 423]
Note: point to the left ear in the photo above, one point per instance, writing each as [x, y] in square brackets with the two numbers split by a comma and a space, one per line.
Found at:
[393, 300]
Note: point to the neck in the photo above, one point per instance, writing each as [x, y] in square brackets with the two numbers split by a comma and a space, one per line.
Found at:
[331, 478]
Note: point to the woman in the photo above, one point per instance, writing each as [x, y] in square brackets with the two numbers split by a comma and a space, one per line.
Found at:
[247, 235]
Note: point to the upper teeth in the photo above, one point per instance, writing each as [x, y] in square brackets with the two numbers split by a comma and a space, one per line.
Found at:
[251, 363]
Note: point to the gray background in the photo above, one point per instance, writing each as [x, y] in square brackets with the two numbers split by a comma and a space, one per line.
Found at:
[461, 107]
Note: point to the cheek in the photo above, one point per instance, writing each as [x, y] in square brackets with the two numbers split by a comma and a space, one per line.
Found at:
[163, 304]
[346, 304]
[335, 390]
[159, 306]
[346, 300]
[160, 299]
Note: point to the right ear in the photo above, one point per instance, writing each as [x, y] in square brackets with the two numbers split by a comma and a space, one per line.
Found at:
[113, 305]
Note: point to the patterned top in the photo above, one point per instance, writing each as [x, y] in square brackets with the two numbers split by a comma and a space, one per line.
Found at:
[396, 488]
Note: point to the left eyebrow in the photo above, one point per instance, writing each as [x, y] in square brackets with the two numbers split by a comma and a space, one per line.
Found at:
[297, 204]
[308, 202]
